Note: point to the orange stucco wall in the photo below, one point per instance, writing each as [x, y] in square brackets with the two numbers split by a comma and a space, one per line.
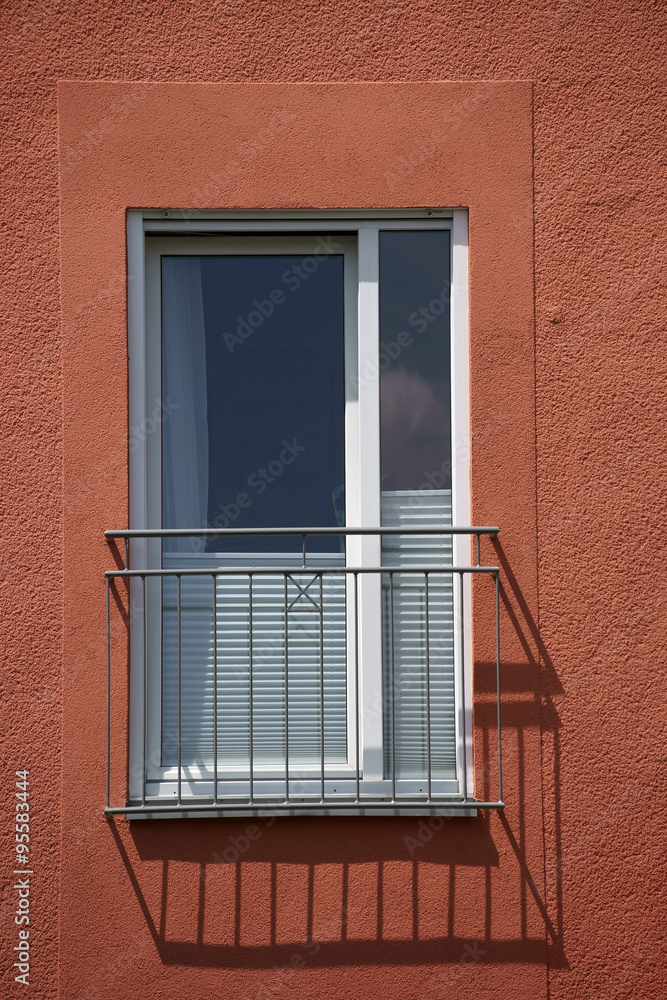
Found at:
[551, 135]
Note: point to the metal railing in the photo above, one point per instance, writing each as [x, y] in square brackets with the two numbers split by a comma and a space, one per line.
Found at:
[322, 752]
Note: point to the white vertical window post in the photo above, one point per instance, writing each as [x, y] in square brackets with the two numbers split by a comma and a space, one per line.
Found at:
[461, 513]
[369, 547]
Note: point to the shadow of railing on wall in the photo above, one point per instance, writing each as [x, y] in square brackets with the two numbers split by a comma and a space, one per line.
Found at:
[290, 893]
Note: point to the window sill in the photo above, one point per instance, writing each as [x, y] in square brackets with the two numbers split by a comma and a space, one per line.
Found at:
[205, 809]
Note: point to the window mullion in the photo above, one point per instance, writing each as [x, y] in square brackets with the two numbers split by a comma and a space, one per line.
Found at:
[461, 498]
[370, 604]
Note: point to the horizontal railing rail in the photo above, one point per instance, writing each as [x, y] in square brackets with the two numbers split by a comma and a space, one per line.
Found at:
[424, 634]
[394, 530]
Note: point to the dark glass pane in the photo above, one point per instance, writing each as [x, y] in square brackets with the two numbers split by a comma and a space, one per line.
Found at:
[415, 390]
[270, 386]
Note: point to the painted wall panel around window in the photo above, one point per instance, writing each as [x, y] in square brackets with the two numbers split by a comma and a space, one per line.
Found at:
[216, 905]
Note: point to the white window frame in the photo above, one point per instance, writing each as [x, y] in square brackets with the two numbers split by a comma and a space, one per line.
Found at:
[362, 452]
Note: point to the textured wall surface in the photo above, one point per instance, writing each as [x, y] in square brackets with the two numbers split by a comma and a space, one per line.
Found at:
[583, 874]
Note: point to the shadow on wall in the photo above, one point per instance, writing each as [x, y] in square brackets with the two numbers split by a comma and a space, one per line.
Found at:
[291, 893]
[313, 892]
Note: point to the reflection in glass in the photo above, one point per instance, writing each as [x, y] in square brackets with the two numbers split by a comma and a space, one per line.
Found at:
[418, 650]
[415, 360]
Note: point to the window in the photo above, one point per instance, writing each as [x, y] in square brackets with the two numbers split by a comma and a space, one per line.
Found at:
[306, 375]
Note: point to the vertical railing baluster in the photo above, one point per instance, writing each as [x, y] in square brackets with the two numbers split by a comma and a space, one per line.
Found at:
[357, 640]
[250, 691]
[500, 763]
[108, 583]
[178, 684]
[144, 616]
[321, 688]
[215, 689]
[286, 698]
[428, 689]
[392, 685]
[462, 675]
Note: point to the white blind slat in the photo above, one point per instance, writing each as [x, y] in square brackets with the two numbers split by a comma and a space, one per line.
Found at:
[413, 684]
[272, 699]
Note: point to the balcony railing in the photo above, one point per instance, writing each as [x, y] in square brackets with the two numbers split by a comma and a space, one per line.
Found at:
[331, 675]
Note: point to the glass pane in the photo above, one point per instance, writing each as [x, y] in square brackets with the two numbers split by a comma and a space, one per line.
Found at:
[418, 648]
[252, 365]
[253, 437]
[415, 360]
